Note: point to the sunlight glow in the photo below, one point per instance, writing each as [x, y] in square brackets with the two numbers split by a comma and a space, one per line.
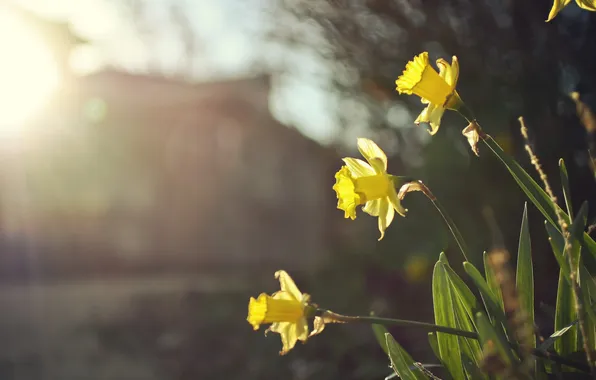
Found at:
[28, 73]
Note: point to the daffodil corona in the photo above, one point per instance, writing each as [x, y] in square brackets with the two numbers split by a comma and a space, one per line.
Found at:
[286, 310]
[368, 184]
[436, 89]
[558, 5]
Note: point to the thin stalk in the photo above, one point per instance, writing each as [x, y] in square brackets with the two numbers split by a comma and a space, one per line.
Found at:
[331, 317]
[338, 318]
[415, 185]
[452, 227]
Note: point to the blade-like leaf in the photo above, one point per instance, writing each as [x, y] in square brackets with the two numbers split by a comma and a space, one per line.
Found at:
[575, 232]
[465, 306]
[468, 298]
[540, 370]
[496, 313]
[491, 337]
[566, 188]
[586, 283]
[558, 244]
[524, 279]
[472, 369]
[535, 193]
[380, 331]
[434, 344]
[491, 281]
[544, 346]
[443, 301]
[564, 316]
[401, 361]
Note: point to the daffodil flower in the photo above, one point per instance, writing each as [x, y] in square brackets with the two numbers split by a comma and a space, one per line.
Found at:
[367, 183]
[286, 310]
[437, 90]
[558, 5]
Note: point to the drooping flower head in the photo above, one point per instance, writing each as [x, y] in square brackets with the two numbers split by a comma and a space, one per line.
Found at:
[436, 89]
[367, 183]
[286, 311]
[558, 5]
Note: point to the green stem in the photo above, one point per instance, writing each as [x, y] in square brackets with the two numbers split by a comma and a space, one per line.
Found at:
[334, 317]
[331, 317]
[452, 227]
[407, 184]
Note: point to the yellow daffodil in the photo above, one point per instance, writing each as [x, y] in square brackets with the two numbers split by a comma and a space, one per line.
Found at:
[589, 5]
[286, 311]
[435, 89]
[361, 183]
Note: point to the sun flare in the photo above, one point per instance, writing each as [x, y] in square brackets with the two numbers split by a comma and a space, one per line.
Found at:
[28, 72]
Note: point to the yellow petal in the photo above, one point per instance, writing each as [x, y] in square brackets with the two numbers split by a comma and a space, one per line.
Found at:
[256, 311]
[421, 79]
[345, 188]
[373, 207]
[373, 154]
[358, 168]
[589, 5]
[432, 115]
[281, 307]
[318, 326]
[396, 203]
[557, 6]
[302, 330]
[287, 284]
[449, 72]
[287, 332]
[386, 214]
[412, 75]
[290, 333]
[281, 295]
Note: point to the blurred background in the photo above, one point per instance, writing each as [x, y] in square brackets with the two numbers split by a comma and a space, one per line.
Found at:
[160, 159]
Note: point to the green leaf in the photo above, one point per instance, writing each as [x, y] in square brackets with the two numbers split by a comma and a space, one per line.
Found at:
[575, 232]
[540, 370]
[401, 361]
[471, 304]
[443, 301]
[465, 306]
[490, 300]
[566, 188]
[472, 369]
[380, 331]
[491, 337]
[587, 284]
[558, 244]
[524, 279]
[491, 281]
[443, 258]
[554, 336]
[535, 193]
[564, 316]
[434, 344]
